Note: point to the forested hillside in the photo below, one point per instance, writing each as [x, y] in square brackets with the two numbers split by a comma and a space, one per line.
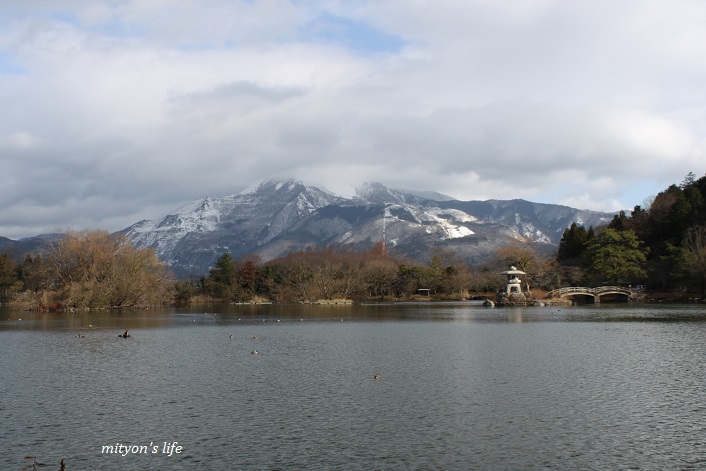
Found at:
[662, 246]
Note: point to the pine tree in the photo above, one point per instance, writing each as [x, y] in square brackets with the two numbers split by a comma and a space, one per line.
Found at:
[616, 257]
[573, 245]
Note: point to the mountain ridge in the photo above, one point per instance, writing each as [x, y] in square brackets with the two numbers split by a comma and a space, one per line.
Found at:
[276, 217]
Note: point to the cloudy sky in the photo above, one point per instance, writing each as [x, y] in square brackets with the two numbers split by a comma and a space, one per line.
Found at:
[116, 111]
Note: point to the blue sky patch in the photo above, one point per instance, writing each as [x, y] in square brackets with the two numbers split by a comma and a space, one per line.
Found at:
[352, 34]
[64, 16]
[9, 65]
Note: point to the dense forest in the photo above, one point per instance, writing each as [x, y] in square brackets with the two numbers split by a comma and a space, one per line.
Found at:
[662, 247]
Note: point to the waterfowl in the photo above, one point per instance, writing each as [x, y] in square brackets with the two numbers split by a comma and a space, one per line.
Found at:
[377, 376]
[125, 335]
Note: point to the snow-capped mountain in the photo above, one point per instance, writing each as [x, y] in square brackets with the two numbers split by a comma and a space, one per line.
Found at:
[276, 217]
[191, 238]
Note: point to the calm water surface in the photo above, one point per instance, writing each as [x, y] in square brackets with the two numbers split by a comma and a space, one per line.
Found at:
[461, 387]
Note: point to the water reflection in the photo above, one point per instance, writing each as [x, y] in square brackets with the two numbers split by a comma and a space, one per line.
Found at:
[461, 387]
[219, 314]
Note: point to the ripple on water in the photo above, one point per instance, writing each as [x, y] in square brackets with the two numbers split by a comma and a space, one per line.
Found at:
[456, 393]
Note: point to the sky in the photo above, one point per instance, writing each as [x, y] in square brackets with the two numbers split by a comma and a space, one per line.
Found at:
[116, 111]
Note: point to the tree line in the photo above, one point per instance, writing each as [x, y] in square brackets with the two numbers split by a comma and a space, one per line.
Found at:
[338, 273]
[662, 246]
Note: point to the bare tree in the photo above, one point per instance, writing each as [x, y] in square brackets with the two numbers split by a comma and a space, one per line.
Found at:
[379, 277]
[95, 269]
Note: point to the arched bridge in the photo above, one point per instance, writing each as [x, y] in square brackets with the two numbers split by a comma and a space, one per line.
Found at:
[594, 293]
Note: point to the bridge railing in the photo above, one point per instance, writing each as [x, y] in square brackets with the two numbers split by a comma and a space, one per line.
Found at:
[558, 293]
[613, 289]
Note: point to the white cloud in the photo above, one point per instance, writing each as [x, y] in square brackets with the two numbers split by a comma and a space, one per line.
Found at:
[650, 135]
[19, 141]
[114, 111]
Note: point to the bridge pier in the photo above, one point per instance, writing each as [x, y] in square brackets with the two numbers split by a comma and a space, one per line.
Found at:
[582, 299]
[617, 298]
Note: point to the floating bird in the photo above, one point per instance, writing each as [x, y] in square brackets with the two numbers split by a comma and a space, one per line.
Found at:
[231, 336]
[254, 352]
[377, 376]
[125, 335]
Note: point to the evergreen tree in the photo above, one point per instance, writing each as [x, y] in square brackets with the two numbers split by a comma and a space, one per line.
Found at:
[695, 255]
[620, 222]
[616, 257]
[669, 217]
[688, 181]
[573, 245]
[639, 222]
[222, 278]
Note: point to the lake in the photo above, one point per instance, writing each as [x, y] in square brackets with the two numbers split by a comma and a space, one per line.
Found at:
[460, 387]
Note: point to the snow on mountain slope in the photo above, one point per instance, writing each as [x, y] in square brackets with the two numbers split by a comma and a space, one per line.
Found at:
[277, 216]
[261, 212]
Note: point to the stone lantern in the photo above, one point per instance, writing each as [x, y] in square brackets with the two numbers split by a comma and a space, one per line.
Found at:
[513, 289]
[514, 283]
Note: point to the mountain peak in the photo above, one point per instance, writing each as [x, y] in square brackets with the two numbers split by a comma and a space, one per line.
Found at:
[428, 195]
[379, 193]
[272, 185]
[375, 192]
[275, 217]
